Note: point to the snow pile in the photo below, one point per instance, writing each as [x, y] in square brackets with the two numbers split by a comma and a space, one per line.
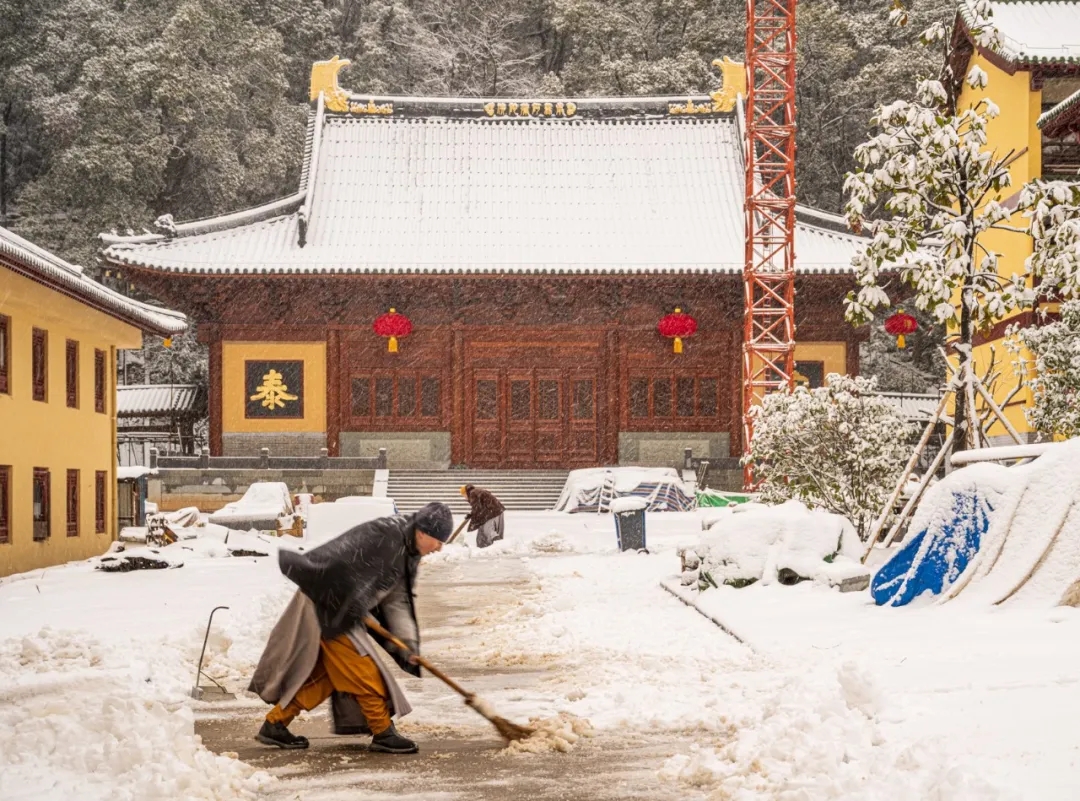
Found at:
[327, 520]
[593, 489]
[559, 733]
[263, 503]
[750, 542]
[814, 739]
[1031, 553]
[79, 720]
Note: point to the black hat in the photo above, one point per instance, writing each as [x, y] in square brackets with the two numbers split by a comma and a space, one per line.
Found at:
[435, 520]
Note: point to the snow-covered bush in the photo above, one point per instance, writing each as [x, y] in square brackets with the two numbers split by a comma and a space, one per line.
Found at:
[1053, 357]
[840, 447]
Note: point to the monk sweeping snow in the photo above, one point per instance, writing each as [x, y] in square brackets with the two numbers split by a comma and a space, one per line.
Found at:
[320, 645]
[486, 515]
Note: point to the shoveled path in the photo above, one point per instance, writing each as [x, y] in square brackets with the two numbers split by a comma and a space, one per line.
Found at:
[463, 760]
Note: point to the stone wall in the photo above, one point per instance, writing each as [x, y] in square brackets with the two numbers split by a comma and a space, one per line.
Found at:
[405, 449]
[209, 489]
[666, 448]
[280, 444]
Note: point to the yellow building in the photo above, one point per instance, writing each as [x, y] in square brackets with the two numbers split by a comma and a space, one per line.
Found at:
[59, 334]
[1034, 78]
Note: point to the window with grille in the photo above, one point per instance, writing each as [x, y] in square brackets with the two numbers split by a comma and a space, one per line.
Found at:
[72, 503]
[41, 504]
[5, 354]
[39, 366]
[660, 396]
[5, 503]
[100, 482]
[99, 381]
[408, 398]
[71, 373]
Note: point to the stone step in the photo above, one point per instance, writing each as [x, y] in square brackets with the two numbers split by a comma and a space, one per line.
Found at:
[518, 490]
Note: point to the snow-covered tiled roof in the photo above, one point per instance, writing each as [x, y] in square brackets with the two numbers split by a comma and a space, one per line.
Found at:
[39, 264]
[1035, 32]
[438, 194]
[149, 400]
[1065, 112]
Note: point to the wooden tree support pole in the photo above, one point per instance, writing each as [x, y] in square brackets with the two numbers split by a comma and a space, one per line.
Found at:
[879, 524]
[917, 495]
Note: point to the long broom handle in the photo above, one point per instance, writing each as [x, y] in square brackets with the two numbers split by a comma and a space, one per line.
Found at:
[374, 625]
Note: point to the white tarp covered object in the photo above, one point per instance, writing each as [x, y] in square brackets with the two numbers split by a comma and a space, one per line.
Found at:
[262, 505]
[327, 520]
[593, 489]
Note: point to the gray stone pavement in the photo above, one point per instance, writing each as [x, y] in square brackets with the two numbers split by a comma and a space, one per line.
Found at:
[463, 759]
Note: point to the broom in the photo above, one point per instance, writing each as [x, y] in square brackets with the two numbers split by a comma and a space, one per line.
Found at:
[508, 730]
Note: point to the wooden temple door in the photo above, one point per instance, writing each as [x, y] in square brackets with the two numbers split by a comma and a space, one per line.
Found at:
[486, 410]
[533, 417]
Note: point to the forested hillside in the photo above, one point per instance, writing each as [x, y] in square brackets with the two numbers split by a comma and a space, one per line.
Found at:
[116, 112]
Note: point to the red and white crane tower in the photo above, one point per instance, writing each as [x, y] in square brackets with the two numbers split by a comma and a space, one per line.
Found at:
[769, 273]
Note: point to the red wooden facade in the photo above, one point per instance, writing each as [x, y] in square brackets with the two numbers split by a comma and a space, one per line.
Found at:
[523, 371]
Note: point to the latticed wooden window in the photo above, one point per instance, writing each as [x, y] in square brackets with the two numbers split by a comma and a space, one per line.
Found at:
[668, 396]
[5, 503]
[99, 381]
[5, 354]
[393, 398]
[100, 482]
[73, 503]
[41, 504]
[39, 367]
[71, 373]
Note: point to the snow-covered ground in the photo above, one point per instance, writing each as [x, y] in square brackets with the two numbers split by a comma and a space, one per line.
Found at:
[830, 698]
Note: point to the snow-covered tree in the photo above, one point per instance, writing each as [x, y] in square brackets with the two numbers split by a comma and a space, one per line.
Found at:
[840, 447]
[1051, 355]
[1054, 209]
[928, 168]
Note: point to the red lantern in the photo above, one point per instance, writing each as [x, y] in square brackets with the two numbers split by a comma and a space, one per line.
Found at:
[392, 325]
[900, 324]
[677, 326]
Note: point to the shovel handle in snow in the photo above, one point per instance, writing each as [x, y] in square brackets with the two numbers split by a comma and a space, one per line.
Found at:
[374, 625]
[458, 530]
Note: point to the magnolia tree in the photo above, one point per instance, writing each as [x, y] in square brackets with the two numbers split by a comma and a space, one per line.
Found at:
[929, 169]
[1052, 354]
[940, 188]
[841, 447]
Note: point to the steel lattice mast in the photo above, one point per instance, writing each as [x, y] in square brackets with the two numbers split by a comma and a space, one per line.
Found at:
[769, 273]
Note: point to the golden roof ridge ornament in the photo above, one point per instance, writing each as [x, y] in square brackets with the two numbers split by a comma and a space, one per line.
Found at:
[324, 79]
[733, 84]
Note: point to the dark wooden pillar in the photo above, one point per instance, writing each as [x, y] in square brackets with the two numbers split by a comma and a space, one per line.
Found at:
[611, 413]
[334, 380]
[215, 395]
[457, 401]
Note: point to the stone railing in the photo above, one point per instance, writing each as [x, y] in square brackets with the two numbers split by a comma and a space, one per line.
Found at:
[264, 461]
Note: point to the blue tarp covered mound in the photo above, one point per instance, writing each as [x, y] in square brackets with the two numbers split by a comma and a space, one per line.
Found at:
[949, 526]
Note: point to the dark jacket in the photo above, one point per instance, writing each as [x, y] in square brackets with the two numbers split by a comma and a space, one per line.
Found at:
[485, 506]
[347, 578]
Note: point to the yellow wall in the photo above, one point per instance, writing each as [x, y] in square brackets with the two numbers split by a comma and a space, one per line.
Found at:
[833, 354]
[234, 395]
[1014, 130]
[49, 434]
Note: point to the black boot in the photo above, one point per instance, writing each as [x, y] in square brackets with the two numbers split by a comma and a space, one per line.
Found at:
[278, 734]
[390, 742]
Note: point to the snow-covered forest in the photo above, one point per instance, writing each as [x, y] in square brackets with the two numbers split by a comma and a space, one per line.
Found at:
[114, 113]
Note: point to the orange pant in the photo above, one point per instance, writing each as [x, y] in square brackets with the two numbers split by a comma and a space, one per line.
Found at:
[341, 668]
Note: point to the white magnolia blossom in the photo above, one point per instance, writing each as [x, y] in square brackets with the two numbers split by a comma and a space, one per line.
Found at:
[840, 447]
[1054, 210]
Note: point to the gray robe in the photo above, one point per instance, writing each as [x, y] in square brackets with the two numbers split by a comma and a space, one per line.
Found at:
[293, 649]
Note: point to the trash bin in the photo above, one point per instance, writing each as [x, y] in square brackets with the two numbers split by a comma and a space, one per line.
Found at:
[630, 523]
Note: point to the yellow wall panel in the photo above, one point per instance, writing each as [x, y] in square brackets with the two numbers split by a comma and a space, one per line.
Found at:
[234, 395]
